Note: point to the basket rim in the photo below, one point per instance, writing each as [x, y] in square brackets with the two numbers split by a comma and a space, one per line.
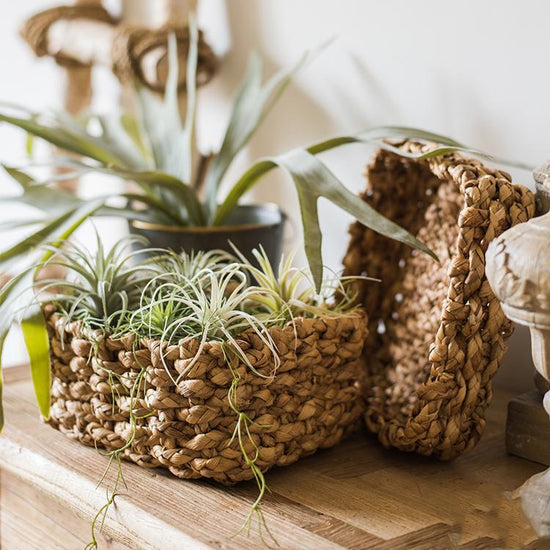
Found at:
[76, 328]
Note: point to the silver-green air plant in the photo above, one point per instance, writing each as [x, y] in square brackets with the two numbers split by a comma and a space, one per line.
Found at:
[288, 292]
[99, 286]
[209, 303]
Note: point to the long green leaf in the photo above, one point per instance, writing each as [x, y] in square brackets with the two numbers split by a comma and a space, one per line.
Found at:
[51, 230]
[55, 202]
[121, 143]
[314, 180]
[191, 88]
[126, 214]
[250, 178]
[17, 296]
[22, 178]
[375, 137]
[181, 199]
[250, 107]
[27, 244]
[181, 194]
[444, 145]
[35, 335]
[52, 201]
[158, 206]
[162, 120]
[16, 291]
[65, 139]
[19, 223]
[133, 129]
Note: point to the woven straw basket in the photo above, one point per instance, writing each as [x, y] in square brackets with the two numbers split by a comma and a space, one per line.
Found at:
[312, 401]
[436, 331]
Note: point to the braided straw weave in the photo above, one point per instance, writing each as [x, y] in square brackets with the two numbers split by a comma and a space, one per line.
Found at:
[131, 44]
[436, 331]
[35, 29]
[312, 401]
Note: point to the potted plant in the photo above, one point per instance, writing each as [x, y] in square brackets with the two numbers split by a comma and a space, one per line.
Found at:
[177, 202]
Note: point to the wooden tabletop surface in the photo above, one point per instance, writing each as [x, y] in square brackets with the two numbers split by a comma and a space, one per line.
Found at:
[356, 496]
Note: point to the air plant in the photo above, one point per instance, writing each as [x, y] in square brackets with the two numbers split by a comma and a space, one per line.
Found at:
[289, 292]
[210, 305]
[98, 286]
[156, 151]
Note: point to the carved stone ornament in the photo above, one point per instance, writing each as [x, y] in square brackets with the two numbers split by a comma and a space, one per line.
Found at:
[518, 269]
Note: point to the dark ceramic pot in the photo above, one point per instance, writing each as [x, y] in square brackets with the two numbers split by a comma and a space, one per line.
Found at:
[248, 227]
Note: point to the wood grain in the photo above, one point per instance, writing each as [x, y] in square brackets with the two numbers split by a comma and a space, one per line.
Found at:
[528, 429]
[355, 496]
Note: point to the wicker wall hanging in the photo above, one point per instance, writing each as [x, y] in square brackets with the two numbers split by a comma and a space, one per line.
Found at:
[436, 331]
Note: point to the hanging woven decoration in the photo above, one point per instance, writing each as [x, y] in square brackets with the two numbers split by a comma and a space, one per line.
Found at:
[132, 44]
[91, 36]
[436, 334]
[35, 30]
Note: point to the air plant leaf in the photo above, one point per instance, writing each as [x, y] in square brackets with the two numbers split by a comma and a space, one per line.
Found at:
[135, 132]
[176, 193]
[50, 230]
[181, 199]
[162, 121]
[17, 296]
[314, 180]
[375, 137]
[24, 246]
[17, 290]
[251, 105]
[23, 179]
[19, 223]
[191, 88]
[52, 201]
[35, 335]
[61, 136]
[116, 136]
[56, 229]
[240, 126]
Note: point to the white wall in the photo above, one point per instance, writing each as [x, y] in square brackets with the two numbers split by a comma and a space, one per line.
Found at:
[38, 84]
[476, 71]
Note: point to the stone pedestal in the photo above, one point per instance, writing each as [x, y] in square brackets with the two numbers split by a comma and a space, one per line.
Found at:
[518, 269]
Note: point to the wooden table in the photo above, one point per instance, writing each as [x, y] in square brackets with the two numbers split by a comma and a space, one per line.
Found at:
[355, 496]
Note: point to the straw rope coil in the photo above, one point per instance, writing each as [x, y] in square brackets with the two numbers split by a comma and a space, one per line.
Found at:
[35, 29]
[311, 402]
[131, 44]
[436, 331]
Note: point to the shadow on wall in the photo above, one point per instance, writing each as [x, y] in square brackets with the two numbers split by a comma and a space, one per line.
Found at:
[305, 121]
[300, 118]
[320, 107]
